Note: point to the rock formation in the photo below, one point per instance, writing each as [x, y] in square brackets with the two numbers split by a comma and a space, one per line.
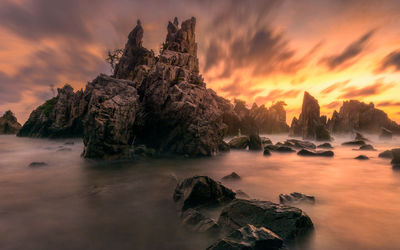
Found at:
[61, 116]
[9, 123]
[359, 116]
[310, 125]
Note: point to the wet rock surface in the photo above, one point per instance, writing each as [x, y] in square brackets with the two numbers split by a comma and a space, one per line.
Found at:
[241, 142]
[325, 145]
[195, 221]
[296, 198]
[9, 123]
[386, 154]
[249, 237]
[232, 176]
[362, 157]
[354, 143]
[267, 152]
[367, 147]
[37, 164]
[307, 152]
[396, 156]
[255, 142]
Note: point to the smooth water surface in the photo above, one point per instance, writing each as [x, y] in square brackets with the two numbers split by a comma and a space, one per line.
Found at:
[73, 203]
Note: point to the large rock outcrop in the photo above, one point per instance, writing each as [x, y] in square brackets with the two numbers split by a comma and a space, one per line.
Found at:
[59, 117]
[9, 123]
[310, 125]
[359, 116]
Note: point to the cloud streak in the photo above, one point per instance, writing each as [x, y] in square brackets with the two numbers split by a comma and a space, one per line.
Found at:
[376, 88]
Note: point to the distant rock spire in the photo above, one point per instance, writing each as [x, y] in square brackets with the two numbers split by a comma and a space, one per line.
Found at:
[136, 35]
[183, 39]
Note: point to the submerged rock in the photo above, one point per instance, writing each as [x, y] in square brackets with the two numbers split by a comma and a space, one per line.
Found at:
[396, 156]
[200, 191]
[386, 154]
[306, 152]
[287, 222]
[354, 143]
[249, 237]
[300, 144]
[239, 142]
[9, 123]
[367, 147]
[386, 134]
[195, 221]
[267, 152]
[296, 198]
[362, 157]
[36, 164]
[241, 194]
[232, 176]
[325, 145]
[255, 142]
[265, 141]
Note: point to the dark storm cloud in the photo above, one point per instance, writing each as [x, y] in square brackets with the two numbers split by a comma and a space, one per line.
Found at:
[391, 61]
[351, 52]
[278, 94]
[376, 88]
[335, 86]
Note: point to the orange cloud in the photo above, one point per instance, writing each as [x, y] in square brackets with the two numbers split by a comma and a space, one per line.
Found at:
[374, 89]
[335, 86]
[333, 105]
[278, 94]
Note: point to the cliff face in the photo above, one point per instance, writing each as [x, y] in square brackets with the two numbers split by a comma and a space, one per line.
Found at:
[9, 123]
[359, 116]
[310, 125]
[58, 117]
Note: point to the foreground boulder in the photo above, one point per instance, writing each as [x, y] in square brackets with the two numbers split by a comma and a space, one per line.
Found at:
[255, 142]
[386, 134]
[249, 237]
[396, 156]
[325, 145]
[195, 221]
[367, 147]
[9, 123]
[201, 191]
[296, 198]
[386, 154]
[241, 142]
[306, 152]
[287, 222]
[310, 125]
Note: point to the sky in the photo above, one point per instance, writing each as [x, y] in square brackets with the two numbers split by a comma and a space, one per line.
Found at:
[260, 51]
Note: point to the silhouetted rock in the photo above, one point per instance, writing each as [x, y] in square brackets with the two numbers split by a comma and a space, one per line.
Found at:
[239, 142]
[223, 147]
[396, 156]
[386, 134]
[300, 144]
[232, 176]
[255, 142]
[310, 124]
[200, 191]
[195, 221]
[59, 117]
[354, 143]
[265, 141]
[308, 152]
[362, 157]
[367, 147]
[9, 123]
[386, 154]
[325, 145]
[267, 152]
[296, 198]
[249, 237]
[278, 148]
[359, 116]
[241, 194]
[287, 222]
[36, 164]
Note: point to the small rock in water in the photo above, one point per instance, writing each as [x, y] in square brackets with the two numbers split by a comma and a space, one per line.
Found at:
[300, 144]
[360, 137]
[232, 176]
[241, 194]
[255, 142]
[396, 156]
[239, 142]
[325, 145]
[249, 237]
[386, 154]
[265, 141]
[267, 152]
[354, 143]
[284, 149]
[36, 164]
[306, 152]
[367, 147]
[223, 147]
[386, 134]
[362, 157]
[195, 221]
[296, 198]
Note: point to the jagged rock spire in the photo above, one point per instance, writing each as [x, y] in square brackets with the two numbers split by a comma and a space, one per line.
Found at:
[183, 39]
[136, 35]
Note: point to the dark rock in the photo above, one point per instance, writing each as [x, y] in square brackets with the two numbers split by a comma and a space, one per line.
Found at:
[142, 150]
[241, 194]
[310, 124]
[267, 152]
[284, 149]
[249, 237]
[232, 176]
[36, 164]
[239, 142]
[9, 123]
[325, 145]
[255, 142]
[360, 137]
[200, 191]
[287, 222]
[396, 156]
[367, 147]
[195, 221]
[296, 198]
[354, 143]
[300, 144]
[386, 154]
[223, 147]
[307, 152]
[265, 141]
[359, 116]
[362, 157]
[386, 134]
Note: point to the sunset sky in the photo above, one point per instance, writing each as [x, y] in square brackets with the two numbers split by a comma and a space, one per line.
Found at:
[262, 51]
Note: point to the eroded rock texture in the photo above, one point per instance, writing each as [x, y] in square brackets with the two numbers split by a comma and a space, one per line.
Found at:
[9, 123]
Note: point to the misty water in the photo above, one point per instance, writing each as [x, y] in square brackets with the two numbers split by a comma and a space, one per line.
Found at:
[74, 203]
